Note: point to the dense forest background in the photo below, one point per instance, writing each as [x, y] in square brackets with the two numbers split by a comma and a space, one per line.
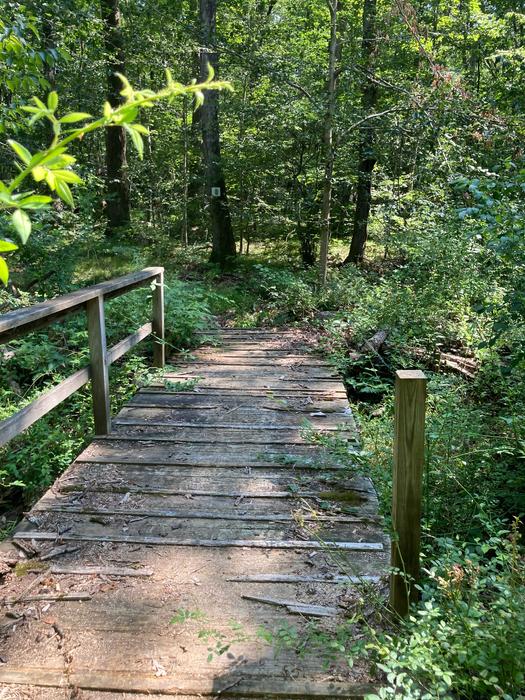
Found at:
[365, 177]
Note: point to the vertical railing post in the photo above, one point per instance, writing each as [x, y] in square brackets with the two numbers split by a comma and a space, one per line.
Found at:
[159, 351]
[99, 366]
[409, 458]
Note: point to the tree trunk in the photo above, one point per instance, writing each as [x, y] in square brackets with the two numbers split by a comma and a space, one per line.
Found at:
[329, 142]
[118, 206]
[185, 179]
[367, 158]
[223, 242]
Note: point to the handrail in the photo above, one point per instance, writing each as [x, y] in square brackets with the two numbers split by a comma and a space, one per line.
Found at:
[91, 299]
[21, 321]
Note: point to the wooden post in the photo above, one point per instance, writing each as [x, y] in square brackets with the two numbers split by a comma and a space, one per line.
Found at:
[99, 366]
[409, 458]
[159, 352]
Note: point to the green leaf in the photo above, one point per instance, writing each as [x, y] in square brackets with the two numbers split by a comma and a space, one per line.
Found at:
[39, 173]
[4, 271]
[35, 201]
[52, 101]
[39, 104]
[22, 224]
[73, 117]
[7, 246]
[136, 138]
[21, 151]
[63, 191]
[199, 99]
[68, 176]
[140, 128]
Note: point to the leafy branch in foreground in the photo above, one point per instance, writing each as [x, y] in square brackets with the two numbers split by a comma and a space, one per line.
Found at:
[52, 165]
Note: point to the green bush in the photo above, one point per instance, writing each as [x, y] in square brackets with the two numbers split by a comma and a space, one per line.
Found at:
[467, 637]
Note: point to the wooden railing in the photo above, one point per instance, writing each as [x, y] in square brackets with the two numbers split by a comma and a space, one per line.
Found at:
[91, 300]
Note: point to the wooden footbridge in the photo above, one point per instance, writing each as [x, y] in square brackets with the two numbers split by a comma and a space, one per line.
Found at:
[207, 510]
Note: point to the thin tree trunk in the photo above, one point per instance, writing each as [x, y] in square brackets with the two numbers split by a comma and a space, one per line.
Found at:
[367, 158]
[223, 242]
[118, 206]
[329, 142]
[185, 180]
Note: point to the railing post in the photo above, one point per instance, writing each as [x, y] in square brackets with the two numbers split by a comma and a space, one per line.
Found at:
[409, 458]
[159, 352]
[99, 366]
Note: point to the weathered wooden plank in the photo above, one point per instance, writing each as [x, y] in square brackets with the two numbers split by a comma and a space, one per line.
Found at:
[190, 492]
[269, 383]
[227, 426]
[55, 597]
[236, 684]
[170, 541]
[99, 364]
[233, 404]
[23, 419]
[296, 607]
[209, 439]
[247, 360]
[193, 462]
[159, 347]
[298, 373]
[192, 514]
[274, 392]
[302, 578]
[21, 321]
[124, 346]
[409, 459]
[100, 571]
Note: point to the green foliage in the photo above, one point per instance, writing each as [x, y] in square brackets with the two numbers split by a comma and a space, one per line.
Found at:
[467, 638]
[52, 165]
[184, 615]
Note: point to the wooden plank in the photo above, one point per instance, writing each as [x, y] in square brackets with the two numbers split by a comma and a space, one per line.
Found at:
[237, 684]
[296, 607]
[192, 462]
[269, 383]
[302, 578]
[223, 426]
[124, 346]
[21, 321]
[190, 492]
[99, 365]
[301, 374]
[236, 402]
[55, 597]
[100, 571]
[181, 440]
[202, 360]
[159, 347]
[169, 541]
[192, 514]
[409, 459]
[23, 419]
[273, 392]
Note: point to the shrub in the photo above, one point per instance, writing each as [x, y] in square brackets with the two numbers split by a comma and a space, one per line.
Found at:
[467, 637]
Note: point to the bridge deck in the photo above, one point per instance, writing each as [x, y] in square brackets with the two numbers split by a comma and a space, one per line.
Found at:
[212, 503]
